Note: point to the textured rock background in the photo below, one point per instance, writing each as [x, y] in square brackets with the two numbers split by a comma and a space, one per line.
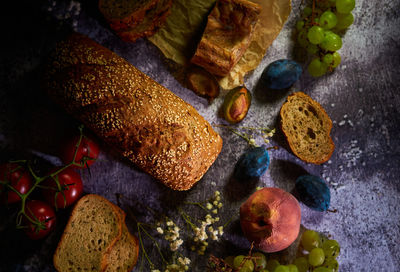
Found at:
[361, 96]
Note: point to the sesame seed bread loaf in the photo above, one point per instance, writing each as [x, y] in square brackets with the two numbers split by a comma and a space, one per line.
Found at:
[94, 226]
[148, 124]
[122, 14]
[307, 128]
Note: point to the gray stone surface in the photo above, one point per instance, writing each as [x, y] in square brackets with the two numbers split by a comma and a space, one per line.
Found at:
[361, 97]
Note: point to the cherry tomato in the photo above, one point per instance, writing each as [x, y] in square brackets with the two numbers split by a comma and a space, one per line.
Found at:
[69, 191]
[86, 153]
[44, 216]
[16, 176]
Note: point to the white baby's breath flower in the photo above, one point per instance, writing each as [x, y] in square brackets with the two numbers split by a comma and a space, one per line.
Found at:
[160, 230]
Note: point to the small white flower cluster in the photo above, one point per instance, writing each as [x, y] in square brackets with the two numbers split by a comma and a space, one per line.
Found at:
[268, 134]
[201, 234]
[171, 234]
[181, 266]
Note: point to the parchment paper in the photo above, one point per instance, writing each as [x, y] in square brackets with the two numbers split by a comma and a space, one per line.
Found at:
[178, 38]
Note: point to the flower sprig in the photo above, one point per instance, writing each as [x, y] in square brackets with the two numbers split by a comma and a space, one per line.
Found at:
[204, 230]
[249, 133]
[201, 232]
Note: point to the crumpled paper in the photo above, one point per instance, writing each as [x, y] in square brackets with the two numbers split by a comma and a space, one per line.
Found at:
[178, 38]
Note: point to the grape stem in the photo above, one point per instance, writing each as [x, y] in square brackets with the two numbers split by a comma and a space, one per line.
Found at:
[312, 13]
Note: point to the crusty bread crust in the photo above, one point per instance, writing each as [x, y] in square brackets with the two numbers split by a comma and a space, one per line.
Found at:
[148, 124]
[307, 128]
[67, 230]
[130, 20]
[150, 24]
[131, 243]
[229, 30]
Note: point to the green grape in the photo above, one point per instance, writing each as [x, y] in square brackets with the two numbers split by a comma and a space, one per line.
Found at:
[331, 247]
[321, 269]
[331, 264]
[336, 59]
[246, 266]
[328, 59]
[316, 20]
[292, 268]
[302, 38]
[315, 34]
[316, 257]
[260, 260]
[345, 6]
[312, 49]
[229, 260]
[310, 238]
[272, 264]
[300, 25]
[281, 268]
[307, 11]
[344, 20]
[328, 20]
[302, 264]
[331, 42]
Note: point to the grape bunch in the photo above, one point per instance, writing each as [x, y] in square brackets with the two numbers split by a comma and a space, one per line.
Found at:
[319, 33]
[320, 253]
[316, 254]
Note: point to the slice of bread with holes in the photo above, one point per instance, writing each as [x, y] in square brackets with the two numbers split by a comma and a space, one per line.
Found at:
[95, 235]
[307, 128]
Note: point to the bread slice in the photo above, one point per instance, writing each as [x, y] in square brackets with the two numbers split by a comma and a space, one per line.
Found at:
[228, 33]
[124, 254]
[153, 20]
[123, 14]
[307, 128]
[94, 226]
